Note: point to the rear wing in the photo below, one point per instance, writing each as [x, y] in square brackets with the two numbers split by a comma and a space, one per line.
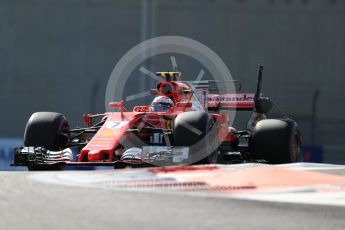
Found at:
[215, 95]
[215, 98]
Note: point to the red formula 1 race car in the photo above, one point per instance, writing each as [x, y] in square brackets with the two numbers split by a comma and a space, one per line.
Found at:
[183, 125]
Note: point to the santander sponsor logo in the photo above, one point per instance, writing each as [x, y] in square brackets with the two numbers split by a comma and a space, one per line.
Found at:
[240, 100]
[241, 97]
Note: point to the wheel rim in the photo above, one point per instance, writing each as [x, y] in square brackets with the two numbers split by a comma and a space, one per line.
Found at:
[295, 149]
[211, 145]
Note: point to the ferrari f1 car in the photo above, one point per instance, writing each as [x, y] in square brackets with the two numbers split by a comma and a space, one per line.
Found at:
[194, 130]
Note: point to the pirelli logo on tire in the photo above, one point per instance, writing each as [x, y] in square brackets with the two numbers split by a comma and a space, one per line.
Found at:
[170, 124]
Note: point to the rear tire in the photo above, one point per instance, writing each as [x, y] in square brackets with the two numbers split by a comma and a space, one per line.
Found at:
[276, 141]
[198, 131]
[46, 129]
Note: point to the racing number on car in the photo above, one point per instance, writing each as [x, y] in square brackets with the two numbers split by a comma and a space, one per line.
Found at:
[170, 124]
[115, 124]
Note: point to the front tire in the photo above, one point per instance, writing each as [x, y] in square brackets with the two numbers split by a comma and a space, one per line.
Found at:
[48, 130]
[198, 131]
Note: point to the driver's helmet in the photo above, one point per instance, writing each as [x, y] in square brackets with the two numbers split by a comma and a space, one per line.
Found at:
[161, 104]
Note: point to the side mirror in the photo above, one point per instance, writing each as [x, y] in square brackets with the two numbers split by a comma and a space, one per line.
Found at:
[185, 91]
[263, 105]
[153, 92]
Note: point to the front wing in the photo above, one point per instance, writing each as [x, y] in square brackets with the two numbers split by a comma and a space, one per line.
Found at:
[147, 156]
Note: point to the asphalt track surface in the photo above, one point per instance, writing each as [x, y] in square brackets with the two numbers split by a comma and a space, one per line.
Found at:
[31, 204]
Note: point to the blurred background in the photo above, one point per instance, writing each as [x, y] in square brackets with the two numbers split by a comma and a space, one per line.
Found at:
[57, 55]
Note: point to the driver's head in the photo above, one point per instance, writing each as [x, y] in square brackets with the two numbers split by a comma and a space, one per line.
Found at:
[161, 104]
